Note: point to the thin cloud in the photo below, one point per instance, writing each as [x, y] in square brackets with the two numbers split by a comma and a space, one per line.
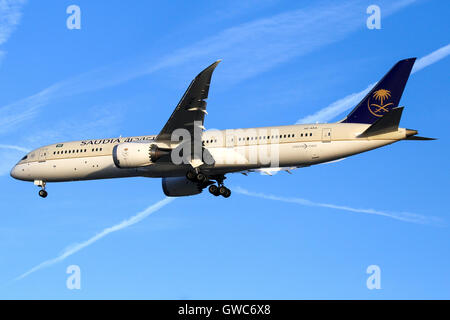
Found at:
[12, 147]
[431, 58]
[349, 101]
[254, 47]
[10, 15]
[244, 47]
[77, 247]
[402, 216]
[336, 107]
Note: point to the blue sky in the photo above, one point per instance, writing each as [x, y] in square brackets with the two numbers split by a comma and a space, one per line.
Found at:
[308, 235]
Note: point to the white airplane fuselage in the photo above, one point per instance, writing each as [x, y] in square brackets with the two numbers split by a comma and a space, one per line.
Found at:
[233, 150]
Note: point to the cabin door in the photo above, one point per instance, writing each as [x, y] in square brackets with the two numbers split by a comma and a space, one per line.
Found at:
[43, 155]
[230, 139]
[326, 135]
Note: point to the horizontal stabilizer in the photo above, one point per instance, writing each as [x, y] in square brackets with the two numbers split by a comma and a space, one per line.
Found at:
[387, 123]
[420, 138]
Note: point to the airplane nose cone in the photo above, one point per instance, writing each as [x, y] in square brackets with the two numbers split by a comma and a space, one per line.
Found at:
[13, 172]
[18, 173]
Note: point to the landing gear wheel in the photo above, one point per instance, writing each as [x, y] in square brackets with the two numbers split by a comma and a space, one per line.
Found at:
[213, 189]
[201, 177]
[43, 193]
[227, 194]
[223, 190]
[190, 175]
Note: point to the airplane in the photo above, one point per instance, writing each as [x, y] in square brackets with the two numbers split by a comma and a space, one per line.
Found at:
[189, 158]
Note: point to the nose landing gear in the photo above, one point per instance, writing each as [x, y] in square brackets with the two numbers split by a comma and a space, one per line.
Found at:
[42, 192]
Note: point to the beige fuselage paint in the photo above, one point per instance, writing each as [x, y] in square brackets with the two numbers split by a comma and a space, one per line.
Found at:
[232, 150]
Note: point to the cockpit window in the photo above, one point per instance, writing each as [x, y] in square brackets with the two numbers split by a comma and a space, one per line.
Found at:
[24, 158]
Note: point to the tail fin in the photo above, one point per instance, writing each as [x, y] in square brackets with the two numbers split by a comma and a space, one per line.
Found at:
[384, 96]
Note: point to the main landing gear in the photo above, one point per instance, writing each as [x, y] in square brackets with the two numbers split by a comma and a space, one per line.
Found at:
[42, 192]
[204, 181]
[219, 191]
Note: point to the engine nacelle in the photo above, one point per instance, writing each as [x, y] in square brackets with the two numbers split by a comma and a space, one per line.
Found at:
[180, 186]
[137, 154]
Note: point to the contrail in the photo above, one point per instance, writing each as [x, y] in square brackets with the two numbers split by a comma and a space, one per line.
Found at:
[8, 146]
[402, 216]
[433, 57]
[341, 105]
[77, 247]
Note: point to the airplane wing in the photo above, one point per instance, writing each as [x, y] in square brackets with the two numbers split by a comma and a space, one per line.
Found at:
[190, 114]
[190, 111]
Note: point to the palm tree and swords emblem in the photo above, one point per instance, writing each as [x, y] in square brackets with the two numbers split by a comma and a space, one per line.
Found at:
[378, 109]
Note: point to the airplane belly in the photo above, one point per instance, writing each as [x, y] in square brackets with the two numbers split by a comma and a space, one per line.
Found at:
[323, 152]
[87, 168]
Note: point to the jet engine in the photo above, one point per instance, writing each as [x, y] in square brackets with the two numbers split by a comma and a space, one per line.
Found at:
[180, 186]
[137, 154]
